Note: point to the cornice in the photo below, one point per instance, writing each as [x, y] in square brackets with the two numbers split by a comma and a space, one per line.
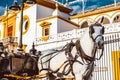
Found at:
[52, 17]
[96, 11]
[51, 4]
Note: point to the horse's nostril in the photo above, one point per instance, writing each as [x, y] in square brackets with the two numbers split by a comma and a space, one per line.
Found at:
[100, 45]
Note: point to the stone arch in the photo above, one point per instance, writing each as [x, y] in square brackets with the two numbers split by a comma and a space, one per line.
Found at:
[116, 18]
[84, 24]
[106, 19]
[114, 15]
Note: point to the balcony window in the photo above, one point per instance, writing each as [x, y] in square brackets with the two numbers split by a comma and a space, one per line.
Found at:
[45, 30]
[10, 30]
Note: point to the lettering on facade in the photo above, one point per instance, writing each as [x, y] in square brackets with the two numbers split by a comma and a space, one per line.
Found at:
[101, 69]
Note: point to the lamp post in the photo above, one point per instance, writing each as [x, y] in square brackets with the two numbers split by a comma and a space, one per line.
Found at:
[16, 7]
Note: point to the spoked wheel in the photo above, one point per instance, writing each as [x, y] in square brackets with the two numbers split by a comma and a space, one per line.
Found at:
[7, 78]
[4, 79]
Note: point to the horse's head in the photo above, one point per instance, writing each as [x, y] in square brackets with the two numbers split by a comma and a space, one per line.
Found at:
[96, 32]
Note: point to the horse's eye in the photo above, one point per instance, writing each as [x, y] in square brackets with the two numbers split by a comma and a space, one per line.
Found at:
[91, 30]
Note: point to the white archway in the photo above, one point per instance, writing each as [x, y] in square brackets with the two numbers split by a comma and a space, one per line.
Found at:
[116, 18]
[106, 19]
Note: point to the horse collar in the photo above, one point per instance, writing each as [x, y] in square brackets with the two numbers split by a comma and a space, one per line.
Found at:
[82, 53]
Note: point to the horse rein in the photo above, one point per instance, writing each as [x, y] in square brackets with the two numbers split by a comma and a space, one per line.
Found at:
[86, 57]
[95, 48]
[69, 62]
[70, 59]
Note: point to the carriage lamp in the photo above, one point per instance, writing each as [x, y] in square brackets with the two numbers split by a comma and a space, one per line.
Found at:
[15, 7]
[33, 50]
[30, 1]
[1, 48]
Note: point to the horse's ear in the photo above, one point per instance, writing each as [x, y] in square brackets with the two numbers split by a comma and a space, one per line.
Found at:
[100, 20]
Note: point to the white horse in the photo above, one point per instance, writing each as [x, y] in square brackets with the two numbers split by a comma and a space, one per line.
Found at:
[74, 59]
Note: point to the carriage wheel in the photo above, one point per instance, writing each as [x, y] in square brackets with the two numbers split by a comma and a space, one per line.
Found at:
[7, 78]
[4, 79]
[50, 76]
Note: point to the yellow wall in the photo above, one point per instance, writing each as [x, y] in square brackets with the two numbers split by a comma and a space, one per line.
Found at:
[6, 22]
[116, 64]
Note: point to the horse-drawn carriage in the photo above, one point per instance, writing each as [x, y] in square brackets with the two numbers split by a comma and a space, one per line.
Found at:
[76, 59]
[17, 66]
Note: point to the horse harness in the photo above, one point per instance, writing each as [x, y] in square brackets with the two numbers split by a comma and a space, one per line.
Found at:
[82, 54]
[70, 59]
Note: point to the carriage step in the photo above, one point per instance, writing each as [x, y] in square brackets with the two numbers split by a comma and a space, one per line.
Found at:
[25, 77]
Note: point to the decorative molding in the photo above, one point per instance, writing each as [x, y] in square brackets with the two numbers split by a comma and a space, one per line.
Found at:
[77, 33]
[45, 24]
[26, 25]
[52, 17]
[51, 4]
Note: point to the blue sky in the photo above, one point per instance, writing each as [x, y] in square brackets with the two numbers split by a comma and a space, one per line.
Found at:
[75, 4]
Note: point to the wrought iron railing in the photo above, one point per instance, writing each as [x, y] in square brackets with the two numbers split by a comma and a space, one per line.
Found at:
[9, 40]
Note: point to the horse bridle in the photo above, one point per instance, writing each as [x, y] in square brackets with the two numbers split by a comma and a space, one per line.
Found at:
[94, 39]
[95, 47]
[67, 48]
[91, 31]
